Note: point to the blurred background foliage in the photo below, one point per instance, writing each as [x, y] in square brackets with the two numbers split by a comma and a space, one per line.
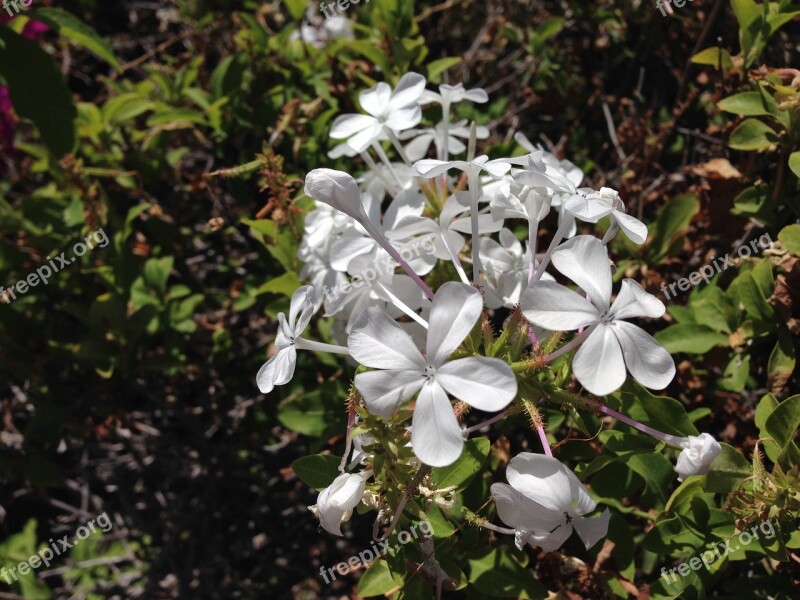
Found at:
[185, 129]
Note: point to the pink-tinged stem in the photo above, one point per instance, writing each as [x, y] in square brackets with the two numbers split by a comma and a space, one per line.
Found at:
[543, 439]
[351, 420]
[503, 530]
[577, 341]
[486, 423]
[532, 337]
[672, 440]
[379, 237]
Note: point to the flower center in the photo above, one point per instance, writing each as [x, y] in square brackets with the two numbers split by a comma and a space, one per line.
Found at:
[429, 372]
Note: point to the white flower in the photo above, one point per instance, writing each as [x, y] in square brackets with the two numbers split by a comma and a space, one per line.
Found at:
[544, 502]
[422, 138]
[699, 451]
[279, 369]
[337, 189]
[446, 230]
[335, 503]
[451, 94]
[507, 267]
[612, 344]
[396, 110]
[380, 343]
[429, 168]
[594, 206]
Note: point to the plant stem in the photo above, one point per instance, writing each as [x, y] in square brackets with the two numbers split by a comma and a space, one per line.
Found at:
[672, 440]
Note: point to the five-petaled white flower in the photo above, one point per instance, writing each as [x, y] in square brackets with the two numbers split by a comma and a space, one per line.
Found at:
[396, 110]
[611, 344]
[279, 369]
[336, 502]
[487, 384]
[593, 206]
[544, 502]
[699, 451]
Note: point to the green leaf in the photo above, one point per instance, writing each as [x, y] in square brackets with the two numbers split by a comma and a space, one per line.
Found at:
[156, 273]
[296, 8]
[437, 67]
[125, 107]
[745, 104]
[672, 221]
[782, 423]
[318, 471]
[753, 135]
[727, 471]
[752, 297]
[284, 284]
[765, 407]
[690, 338]
[78, 32]
[497, 574]
[790, 236]
[38, 90]
[781, 362]
[794, 162]
[466, 467]
[660, 412]
[714, 57]
[376, 580]
[656, 471]
[308, 414]
[746, 11]
[734, 377]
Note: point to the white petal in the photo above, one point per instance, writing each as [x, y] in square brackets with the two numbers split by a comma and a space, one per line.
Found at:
[646, 359]
[378, 342]
[588, 208]
[584, 260]
[478, 95]
[430, 167]
[361, 141]
[550, 541]
[483, 383]
[302, 304]
[542, 479]
[384, 391]
[375, 100]
[404, 118]
[435, 434]
[347, 247]
[551, 305]
[337, 189]
[598, 364]
[278, 370]
[634, 301]
[456, 308]
[593, 530]
[633, 227]
[519, 512]
[408, 91]
[347, 125]
[497, 168]
[342, 495]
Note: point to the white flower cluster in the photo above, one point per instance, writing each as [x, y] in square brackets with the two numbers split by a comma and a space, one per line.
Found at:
[411, 339]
